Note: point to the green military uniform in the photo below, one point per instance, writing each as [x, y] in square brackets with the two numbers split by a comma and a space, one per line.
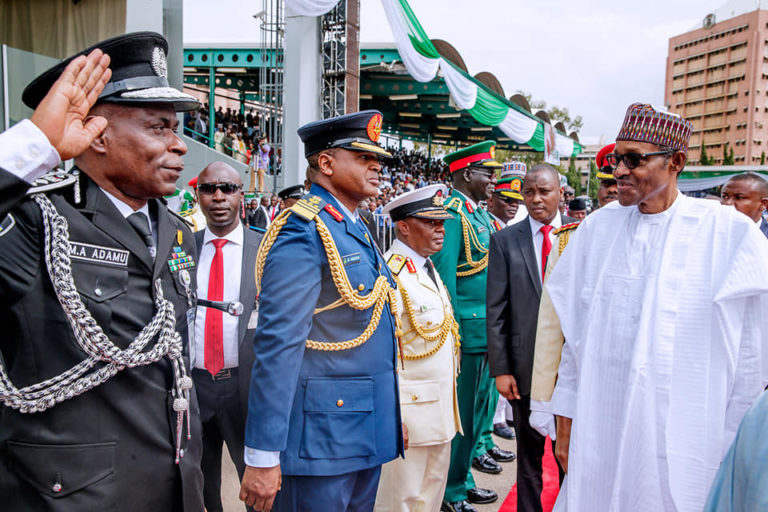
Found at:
[462, 264]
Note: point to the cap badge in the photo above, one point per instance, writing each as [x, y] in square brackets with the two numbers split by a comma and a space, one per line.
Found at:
[159, 63]
[438, 199]
[492, 151]
[515, 185]
[374, 127]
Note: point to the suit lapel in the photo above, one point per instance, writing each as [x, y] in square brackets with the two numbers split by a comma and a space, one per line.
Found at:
[525, 240]
[247, 282]
[107, 218]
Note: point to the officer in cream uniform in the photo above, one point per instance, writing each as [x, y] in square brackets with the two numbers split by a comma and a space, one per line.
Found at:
[430, 344]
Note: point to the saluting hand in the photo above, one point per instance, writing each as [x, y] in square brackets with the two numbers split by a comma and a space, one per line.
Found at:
[260, 486]
[62, 115]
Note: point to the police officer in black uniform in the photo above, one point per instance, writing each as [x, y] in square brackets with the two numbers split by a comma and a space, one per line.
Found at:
[96, 280]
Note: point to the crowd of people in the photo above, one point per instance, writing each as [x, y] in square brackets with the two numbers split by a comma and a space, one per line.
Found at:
[345, 378]
[237, 135]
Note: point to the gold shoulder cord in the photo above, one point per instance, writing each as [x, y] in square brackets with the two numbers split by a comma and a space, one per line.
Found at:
[381, 294]
[563, 240]
[476, 266]
[436, 333]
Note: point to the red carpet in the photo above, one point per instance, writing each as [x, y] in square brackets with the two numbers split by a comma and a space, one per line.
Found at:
[550, 482]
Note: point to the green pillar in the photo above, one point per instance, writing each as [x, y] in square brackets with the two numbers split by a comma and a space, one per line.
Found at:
[242, 102]
[211, 100]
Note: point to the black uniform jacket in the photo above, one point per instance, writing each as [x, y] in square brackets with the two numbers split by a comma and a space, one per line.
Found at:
[113, 447]
[512, 302]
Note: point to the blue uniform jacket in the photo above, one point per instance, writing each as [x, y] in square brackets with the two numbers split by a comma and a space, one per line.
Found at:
[327, 412]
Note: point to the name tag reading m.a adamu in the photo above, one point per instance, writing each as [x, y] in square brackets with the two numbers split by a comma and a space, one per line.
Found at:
[98, 254]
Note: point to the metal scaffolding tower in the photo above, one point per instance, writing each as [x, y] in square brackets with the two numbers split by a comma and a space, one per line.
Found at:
[334, 50]
[272, 34]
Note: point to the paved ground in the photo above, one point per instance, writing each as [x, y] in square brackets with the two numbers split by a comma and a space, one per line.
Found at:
[501, 483]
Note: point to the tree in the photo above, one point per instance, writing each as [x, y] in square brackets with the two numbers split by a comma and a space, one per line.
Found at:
[727, 157]
[594, 183]
[574, 176]
[562, 115]
[703, 158]
[535, 104]
[556, 114]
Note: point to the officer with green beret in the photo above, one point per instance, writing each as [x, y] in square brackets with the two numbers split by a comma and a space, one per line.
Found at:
[462, 265]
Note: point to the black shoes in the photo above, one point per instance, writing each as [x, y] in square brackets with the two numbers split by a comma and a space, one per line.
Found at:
[481, 496]
[486, 464]
[502, 430]
[457, 506]
[500, 455]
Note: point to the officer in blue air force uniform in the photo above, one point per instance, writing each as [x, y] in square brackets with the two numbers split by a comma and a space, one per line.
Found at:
[323, 405]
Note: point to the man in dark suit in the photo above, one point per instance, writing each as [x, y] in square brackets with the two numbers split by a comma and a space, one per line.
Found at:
[748, 193]
[221, 367]
[107, 426]
[258, 218]
[370, 222]
[517, 260]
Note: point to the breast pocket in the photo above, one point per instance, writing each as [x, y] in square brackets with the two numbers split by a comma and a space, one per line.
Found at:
[339, 420]
[423, 412]
[99, 286]
[58, 471]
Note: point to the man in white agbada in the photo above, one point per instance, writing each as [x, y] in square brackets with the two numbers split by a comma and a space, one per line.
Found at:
[664, 332]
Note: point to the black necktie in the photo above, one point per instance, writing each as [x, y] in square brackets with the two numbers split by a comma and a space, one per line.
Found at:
[430, 270]
[140, 223]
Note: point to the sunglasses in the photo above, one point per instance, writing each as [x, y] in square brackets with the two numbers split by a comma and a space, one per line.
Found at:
[632, 160]
[208, 189]
[484, 172]
[509, 200]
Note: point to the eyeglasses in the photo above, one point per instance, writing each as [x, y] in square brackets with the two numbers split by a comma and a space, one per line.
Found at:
[632, 160]
[208, 189]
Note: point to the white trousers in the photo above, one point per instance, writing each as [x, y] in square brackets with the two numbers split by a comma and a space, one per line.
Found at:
[503, 411]
[416, 483]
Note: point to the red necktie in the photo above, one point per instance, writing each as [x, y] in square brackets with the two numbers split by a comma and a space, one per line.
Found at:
[214, 342]
[546, 248]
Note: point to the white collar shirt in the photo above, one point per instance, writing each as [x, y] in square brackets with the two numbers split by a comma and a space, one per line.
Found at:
[126, 210]
[538, 237]
[232, 253]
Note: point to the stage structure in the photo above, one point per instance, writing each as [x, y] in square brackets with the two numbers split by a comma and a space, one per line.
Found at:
[271, 83]
[341, 64]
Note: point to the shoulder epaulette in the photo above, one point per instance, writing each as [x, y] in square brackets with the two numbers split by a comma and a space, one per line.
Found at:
[396, 263]
[179, 216]
[454, 204]
[566, 227]
[52, 180]
[308, 206]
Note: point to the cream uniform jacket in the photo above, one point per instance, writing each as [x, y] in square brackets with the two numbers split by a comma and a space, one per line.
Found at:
[427, 384]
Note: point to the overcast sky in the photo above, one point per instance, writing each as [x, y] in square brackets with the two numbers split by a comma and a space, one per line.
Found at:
[592, 57]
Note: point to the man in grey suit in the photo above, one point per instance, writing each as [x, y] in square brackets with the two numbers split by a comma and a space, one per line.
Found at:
[221, 366]
[517, 262]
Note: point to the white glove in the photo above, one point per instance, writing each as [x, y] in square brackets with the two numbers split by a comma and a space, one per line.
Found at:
[542, 419]
[543, 423]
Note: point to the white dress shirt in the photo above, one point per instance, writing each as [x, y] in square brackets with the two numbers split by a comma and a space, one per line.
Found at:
[538, 237]
[232, 253]
[26, 152]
